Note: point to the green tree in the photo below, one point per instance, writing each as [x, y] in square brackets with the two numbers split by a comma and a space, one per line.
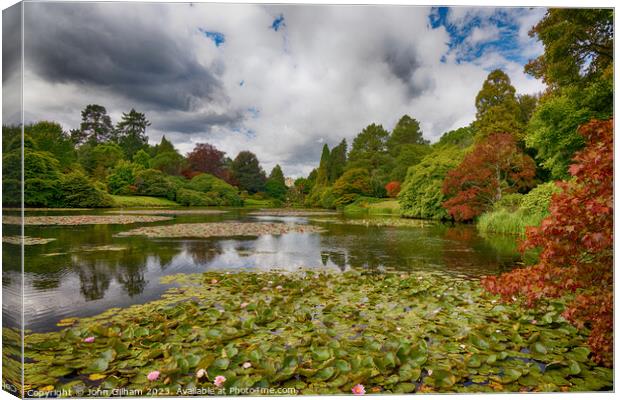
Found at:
[167, 159]
[527, 105]
[79, 191]
[131, 132]
[142, 158]
[247, 171]
[497, 109]
[96, 126]
[406, 131]
[322, 173]
[579, 46]
[152, 182]
[369, 148]
[99, 159]
[275, 185]
[408, 155]
[50, 137]
[337, 161]
[218, 191]
[122, 178]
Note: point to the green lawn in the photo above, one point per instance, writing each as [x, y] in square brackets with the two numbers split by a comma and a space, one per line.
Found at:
[373, 205]
[142, 201]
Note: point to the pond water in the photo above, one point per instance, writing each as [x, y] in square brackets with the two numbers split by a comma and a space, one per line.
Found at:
[89, 269]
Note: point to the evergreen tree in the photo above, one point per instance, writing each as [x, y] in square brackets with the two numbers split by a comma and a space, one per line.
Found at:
[248, 173]
[275, 186]
[406, 131]
[131, 132]
[337, 161]
[322, 174]
[96, 126]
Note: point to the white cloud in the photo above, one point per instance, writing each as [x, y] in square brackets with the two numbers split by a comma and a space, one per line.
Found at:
[325, 76]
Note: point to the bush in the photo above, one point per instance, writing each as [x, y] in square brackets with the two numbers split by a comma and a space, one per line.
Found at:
[510, 201]
[538, 199]
[352, 184]
[41, 178]
[121, 179]
[188, 197]
[392, 188]
[151, 182]
[220, 191]
[79, 191]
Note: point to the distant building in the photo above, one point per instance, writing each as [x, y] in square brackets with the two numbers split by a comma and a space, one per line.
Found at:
[289, 182]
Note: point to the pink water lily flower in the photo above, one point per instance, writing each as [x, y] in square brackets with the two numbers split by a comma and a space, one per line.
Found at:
[153, 376]
[89, 339]
[358, 389]
[213, 281]
[219, 380]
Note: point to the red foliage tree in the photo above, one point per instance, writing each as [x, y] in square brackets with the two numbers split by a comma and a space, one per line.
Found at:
[576, 243]
[392, 188]
[206, 158]
[495, 167]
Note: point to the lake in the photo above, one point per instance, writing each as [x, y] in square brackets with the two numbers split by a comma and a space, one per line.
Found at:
[89, 269]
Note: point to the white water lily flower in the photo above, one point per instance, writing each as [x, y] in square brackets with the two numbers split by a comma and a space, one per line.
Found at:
[430, 372]
[247, 365]
[201, 373]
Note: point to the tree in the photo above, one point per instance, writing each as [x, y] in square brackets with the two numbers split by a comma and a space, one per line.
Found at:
[206, 158]
[495, 167]
[96, 126]
[337, 161]
[122, 177]
[406, 131]
[151, 182]
[579, 46]
[247, 171]
[322, 173]
[275, 186]
[50, 137]
[352, 184]
[142, 159]
[369, 148]
[131, 132]
[218, 191]
[576, 245]
[497, 109]
[167, 159]
[99, 159]
[527, 104]
[78, 191]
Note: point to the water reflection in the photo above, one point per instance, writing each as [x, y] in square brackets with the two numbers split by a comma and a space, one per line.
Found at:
[88, 269]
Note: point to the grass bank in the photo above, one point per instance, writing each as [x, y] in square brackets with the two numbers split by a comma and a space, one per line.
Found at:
[142, 201]
[372, 205]
[509, 222]
[317, 333]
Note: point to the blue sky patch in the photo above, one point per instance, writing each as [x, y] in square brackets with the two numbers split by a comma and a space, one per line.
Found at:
[463, 44]
[278, 23]
[217, 37]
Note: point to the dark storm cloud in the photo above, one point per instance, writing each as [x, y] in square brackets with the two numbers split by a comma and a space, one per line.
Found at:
[403, 61]
[11, 41]
[94, 44]
[199, 122]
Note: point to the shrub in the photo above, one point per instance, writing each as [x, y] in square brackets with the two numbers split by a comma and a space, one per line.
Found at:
[220, 191]
[151, 182]
[79, 191]
[511, 202]
[392, 188]
[538, 199]
[121, 178]
[188, 197]
[353, 183]
[41, 178]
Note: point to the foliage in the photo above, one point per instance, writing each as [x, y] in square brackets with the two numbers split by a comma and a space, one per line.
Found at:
[505, 221]
[122, 177]
[406, 132]
[421, 195]
[275, 186]
[142, 159]
[50, 137]
[151, 182]
[392, 188]
[206, 158]
[578, 45]
[131, 132]
[497, 109]
[79, 192]
[248, 173]
[96, 126]
[353, 183]
[576, 243]
[538, 199]
[337, 161]
[450, 335]
[369, 148]
[188, 197]
[99, 159]
[322, 173]
[495, 167]
[215, 188]
[408, 155]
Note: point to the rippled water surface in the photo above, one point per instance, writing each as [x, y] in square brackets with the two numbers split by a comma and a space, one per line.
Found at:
[88, 269]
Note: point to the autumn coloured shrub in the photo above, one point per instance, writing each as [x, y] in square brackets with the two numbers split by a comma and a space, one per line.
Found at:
[494, 168]
[576, 245]
[392, 188]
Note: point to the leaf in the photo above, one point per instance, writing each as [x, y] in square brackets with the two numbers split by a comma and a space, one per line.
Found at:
[99, 365]
[96, 377]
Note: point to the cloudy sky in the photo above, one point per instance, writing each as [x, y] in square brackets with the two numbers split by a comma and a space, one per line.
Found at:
[278, 80]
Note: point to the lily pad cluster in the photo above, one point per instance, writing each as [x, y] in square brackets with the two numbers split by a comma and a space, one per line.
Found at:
[196, 211]
[381, 222]
[212, 229]
[82, 219]
[26, 240]
[317, 333]
[285, 212]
